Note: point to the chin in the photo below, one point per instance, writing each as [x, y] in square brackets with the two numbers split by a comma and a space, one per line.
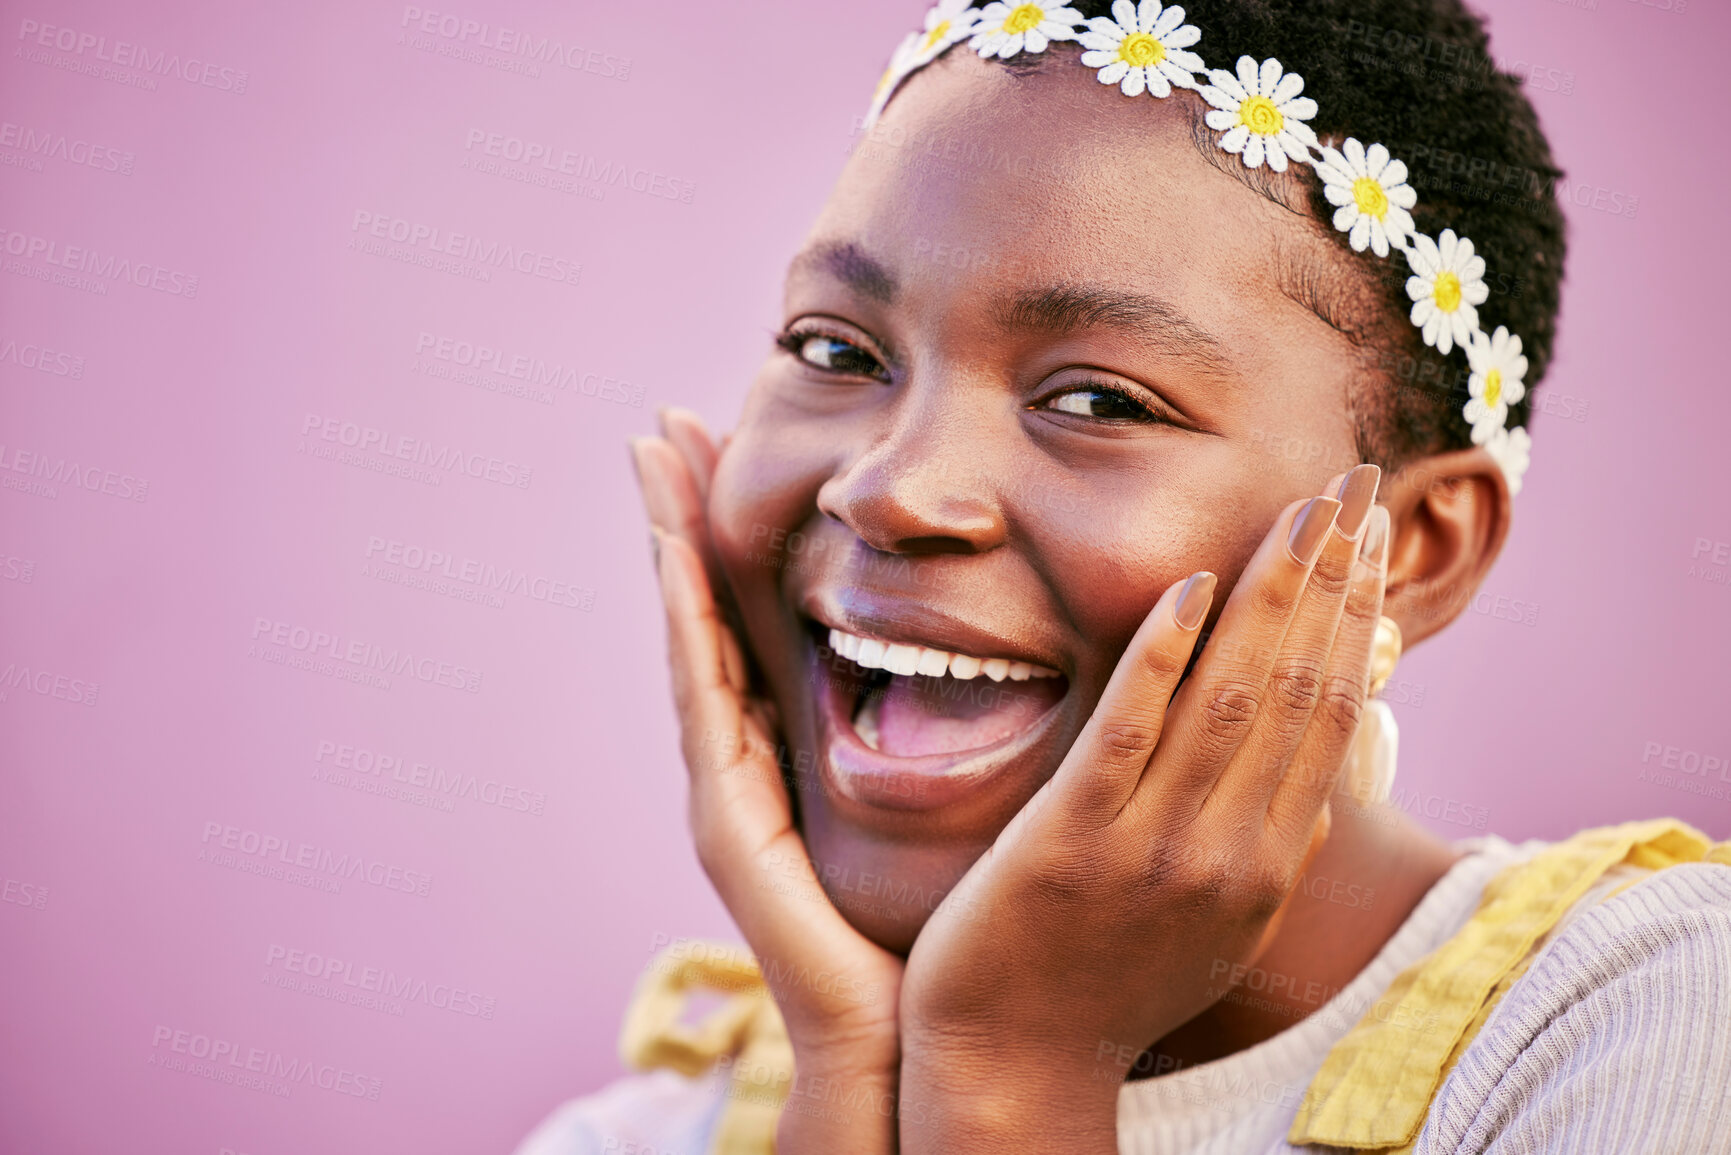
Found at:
[891, 926]
[887, 889]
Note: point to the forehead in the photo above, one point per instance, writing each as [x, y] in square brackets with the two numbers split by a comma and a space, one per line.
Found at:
[979, 179]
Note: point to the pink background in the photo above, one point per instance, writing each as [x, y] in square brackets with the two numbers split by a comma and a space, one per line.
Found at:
[125, 920]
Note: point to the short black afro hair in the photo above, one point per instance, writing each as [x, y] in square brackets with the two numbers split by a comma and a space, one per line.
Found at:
[1417, 76]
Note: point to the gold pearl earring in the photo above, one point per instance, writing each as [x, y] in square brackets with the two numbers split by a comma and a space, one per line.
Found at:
[1369, 773]
[1384, 653]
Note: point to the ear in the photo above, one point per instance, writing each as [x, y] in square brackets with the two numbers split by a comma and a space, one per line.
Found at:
[1449, 514]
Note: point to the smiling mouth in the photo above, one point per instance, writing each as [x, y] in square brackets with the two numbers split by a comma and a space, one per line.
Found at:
[921, 709]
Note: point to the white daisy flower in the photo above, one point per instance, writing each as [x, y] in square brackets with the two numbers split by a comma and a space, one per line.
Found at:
[903, 60]
[1371, 194]
[947, 23]
[1006, 29]
[1513, 450]
[1261, 113]
[1142, 48]
[1447, 287]
[1497, 381]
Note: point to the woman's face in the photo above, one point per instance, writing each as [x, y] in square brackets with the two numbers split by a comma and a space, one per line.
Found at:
[1041, 358]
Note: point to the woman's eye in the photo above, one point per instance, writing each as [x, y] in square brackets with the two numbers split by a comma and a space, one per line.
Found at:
[835, 354]
[1100, 404]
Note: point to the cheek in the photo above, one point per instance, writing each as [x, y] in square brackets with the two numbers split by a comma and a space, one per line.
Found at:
[762, 492]
[1114, 555]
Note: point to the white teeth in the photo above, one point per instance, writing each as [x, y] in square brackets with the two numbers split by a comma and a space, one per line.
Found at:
[902, 660]
[905, 659]
[964, 667]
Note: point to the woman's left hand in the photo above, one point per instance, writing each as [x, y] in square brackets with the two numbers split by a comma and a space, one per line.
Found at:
[1167, 840]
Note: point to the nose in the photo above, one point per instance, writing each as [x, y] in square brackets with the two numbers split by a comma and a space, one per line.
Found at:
[925, 488]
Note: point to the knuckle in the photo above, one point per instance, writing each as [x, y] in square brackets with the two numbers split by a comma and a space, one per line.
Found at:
[1127, 740]
[708, 846]
[706, 759]
[1196, 877]
[1296, 685]
[1330, 582]
[1269, 600]
[1228, 711]
[1342, 704]
[1178, 871]
[1161, 663]
[714, 834]
[1363, 600]
[1222, 881]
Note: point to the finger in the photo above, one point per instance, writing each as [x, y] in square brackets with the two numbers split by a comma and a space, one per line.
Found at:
[669, 491]
[1106, 763]
[690, 436]
[1322, 752]
[670, 494]
[711, 709]
[1296, 683]
[1214, 710]
[740, 813]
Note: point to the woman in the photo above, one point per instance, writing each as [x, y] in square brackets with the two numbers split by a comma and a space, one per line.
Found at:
[1023, 630]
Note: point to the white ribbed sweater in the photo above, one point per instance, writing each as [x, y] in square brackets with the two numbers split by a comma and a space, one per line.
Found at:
[1617, 1039]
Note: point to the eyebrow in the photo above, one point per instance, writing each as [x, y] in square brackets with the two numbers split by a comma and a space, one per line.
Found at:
[1060, 309]
[1341, 308]
[1345, 305]
[848, 263]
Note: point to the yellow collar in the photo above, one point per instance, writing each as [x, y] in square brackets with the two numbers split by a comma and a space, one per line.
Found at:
[1375, 1088]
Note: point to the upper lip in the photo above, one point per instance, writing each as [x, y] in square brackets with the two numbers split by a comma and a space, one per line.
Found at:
[913, 623]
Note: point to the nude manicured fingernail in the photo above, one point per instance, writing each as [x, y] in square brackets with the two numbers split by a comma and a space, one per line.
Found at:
[1194, 600]
[1374, 551]
[1310, 529]
[658, 498]
[646, 478]
[1357, 494]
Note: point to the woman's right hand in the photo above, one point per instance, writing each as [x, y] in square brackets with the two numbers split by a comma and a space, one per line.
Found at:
[836, 990]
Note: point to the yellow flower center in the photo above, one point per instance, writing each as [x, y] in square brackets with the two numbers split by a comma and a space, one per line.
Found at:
[935, 35]
[1024, 17]
[1259, 115]
[1447, 292]
[1372, 201]
[1140, 50]
[1493, 387]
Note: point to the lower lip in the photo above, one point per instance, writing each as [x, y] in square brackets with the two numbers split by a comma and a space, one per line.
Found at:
[929, 782]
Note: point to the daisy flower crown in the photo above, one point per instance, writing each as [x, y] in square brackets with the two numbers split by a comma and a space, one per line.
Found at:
[1261, 115]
